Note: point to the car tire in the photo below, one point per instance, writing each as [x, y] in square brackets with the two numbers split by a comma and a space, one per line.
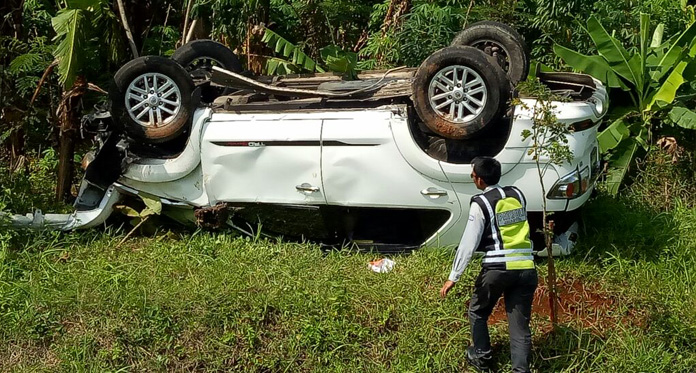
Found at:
[457, 108]
[500, 41]
[199, 56]
[152, 99]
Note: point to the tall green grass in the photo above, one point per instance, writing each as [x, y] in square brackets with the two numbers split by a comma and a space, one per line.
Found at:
[220, 302]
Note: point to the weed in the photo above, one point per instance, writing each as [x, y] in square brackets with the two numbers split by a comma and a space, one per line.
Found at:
[220, 302]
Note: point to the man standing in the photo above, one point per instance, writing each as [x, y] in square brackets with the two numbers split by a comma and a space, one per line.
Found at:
[497, 227]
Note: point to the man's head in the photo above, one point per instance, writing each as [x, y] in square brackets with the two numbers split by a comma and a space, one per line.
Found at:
[485, 172]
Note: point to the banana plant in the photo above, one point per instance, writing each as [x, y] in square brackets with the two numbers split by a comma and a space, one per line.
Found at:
[85, 29]
[651, 73]
[335, 59]
[298, 60]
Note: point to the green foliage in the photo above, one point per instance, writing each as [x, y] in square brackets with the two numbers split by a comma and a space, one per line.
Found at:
[340, 61]
[549, 22]
[86, 31]
[549, 146]
[427, 27]
[161, 41]
[683, 117]
[24, 190]
[29, 62]
[153, 206]
[336, 59]
[289, 50]
[689, 11]
[549, 136]
[215, 300]
[229, 18]
[652, 72]
[70, 25]
[666, 178]
[22, 63]
[25, 63]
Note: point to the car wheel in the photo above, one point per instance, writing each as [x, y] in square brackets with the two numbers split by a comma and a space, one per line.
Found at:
[151, 98]
[458, 91]
[500, 41]
[198, 58]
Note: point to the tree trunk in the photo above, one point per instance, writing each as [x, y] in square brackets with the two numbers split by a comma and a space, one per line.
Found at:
[66, 152]
[255, 29]
[68, 116]
[184, 31]
[547, 229]
[553, 294]
[397, 9]
[126, 26]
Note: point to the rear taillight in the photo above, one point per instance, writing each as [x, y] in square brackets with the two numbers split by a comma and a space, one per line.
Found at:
[571, 186]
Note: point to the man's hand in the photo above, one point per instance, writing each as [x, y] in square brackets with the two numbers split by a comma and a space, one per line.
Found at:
[446, 288]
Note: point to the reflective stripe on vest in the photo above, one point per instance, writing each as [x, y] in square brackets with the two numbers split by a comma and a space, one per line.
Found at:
[510, 251]
[507, 259]
[511, 255]
[510, 232]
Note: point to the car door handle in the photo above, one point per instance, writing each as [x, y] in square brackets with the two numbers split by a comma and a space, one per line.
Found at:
[433, 192]
[307, 187]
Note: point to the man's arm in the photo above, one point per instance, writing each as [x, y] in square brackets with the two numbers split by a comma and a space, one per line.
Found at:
[470, 241]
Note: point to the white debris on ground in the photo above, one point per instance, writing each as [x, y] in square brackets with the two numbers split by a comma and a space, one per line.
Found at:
[383, 265]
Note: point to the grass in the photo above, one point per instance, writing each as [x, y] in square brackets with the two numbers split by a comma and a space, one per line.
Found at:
[220, 302]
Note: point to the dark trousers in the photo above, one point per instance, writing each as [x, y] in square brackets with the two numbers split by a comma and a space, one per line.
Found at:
[518, 288]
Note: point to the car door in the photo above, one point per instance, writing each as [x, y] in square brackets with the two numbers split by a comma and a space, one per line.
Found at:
[263, 158]
[362, 167]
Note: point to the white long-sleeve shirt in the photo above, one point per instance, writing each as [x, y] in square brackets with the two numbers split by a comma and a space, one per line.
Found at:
[470, 239]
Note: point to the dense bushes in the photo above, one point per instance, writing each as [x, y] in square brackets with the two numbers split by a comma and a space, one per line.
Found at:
[545, 22]
[384, 33]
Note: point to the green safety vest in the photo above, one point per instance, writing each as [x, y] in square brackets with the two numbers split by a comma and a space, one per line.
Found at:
[505, 239]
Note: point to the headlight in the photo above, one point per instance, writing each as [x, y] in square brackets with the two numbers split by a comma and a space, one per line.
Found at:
[572, 185]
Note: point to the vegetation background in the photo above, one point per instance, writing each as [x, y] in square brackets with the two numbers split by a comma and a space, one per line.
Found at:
[203, 301]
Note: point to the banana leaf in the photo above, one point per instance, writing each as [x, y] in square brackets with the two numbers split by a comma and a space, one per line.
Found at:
[619, 164]
[657, 36]
[644, 42]
[592, 65]
[683, 117]
[340, 61]
[289, 50]
[613, 135]
[280, 66]
[70, 26]
[683, 72]
[675, 53]
[623, 63]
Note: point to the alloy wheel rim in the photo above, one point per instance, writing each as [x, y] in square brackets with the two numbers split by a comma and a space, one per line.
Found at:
[153, 100]
[457, 93]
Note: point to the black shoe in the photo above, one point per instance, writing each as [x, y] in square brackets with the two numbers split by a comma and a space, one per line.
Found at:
[478, 360]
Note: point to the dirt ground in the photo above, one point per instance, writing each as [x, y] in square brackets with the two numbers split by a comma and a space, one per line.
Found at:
[578, 303]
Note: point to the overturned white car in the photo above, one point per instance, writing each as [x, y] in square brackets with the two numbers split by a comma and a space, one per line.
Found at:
[382, 162]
